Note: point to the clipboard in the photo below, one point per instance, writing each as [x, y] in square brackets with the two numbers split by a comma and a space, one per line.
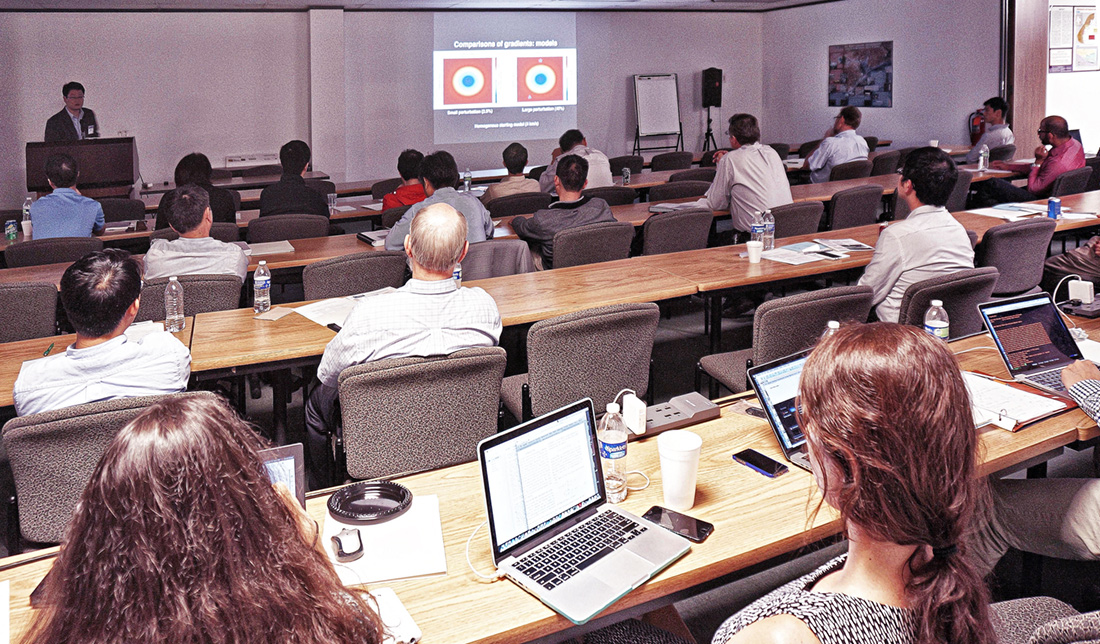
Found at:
[1014, 423]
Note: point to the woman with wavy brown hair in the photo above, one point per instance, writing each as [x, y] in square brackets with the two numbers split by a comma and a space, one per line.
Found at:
[893, 446]
[181, 538]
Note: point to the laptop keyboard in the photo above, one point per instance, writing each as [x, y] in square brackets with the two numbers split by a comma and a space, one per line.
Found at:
[1050, 379]
[554, 562]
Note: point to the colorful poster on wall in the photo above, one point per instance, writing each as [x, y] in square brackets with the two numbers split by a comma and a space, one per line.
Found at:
[861, 74]
[1072, 40]
[1084, 39]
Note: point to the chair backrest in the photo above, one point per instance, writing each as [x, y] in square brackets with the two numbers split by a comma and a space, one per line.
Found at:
[1002, 153]
[27, 310]
[961, 293]
[872, 143]
[393, 215]
[707, 161]
[122, 209]
[53, 455]
[678, 189]
[695, 174]
[225, 231]
[201, 294]
[50, 251]
[633, 161]
[496, 258]
[282, 227]
[802, 218]
[807, 148]
[413, 414]
[321, 186]
[671, 161]
[536, 172]
[593, 243]
[1094, 178]
[905, 152]
[269, 170]
[613, 195]
[236, 195]
[852, 170]
[220, 174]
[1017, 249]
[885, 163]
[1071, 182]
[672, 232]
[523, 203]
[782, 149]
[356, 273]
[791, 324]
[384, 187]
[594, 353]
[855, 206]
[957, 200]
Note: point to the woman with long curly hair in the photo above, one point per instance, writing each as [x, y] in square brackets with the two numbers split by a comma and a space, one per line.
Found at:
[181, 538]
[893, 447]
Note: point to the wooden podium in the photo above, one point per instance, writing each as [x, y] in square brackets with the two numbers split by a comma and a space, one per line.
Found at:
[108, 167]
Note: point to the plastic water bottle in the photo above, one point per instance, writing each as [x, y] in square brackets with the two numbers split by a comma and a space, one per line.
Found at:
[612, 437]
[27, 209]
[756, 228]
[457, 275]
[830, 328]
[983, 158]
[769, 230]
[261, 288]
[467, 179]
[626, 176]
[173, 305]
[936, 322]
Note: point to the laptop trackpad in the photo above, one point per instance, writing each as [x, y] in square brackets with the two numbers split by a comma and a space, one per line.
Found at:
[621, 569]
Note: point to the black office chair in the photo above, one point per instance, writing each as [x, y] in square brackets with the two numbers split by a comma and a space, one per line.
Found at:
[671, 161]
[782, 149]
[633, 161]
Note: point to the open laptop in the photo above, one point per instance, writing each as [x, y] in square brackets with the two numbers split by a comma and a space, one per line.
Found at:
[776, 387]
[1032, 338]
[545, 497]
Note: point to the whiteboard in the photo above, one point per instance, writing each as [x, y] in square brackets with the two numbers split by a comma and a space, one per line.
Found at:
[657, 101]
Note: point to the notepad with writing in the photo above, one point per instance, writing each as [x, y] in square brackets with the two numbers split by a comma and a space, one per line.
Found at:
[1009, 405]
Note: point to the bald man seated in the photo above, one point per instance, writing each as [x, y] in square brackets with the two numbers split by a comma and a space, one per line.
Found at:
[428, 316]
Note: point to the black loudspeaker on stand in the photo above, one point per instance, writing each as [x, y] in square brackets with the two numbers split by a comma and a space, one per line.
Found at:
[712, 97]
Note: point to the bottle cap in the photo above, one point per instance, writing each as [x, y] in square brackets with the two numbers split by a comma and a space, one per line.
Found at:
[263, 262]
[937, 302]
[612, 408]
[833, 324]
[173, 279]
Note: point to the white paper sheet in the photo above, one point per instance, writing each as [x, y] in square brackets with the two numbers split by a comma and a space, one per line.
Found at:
[998, 399]
[792, 257]
[138, 330]
[269, 248]
[326, 312]
[373, 206]
[5, 614]
[344, 208]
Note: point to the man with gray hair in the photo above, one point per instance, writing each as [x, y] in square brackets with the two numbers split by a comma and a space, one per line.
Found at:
[428, 316]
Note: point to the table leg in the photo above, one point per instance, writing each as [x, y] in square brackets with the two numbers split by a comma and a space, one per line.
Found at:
[715, 322]
[280, 383]
[1031, 574]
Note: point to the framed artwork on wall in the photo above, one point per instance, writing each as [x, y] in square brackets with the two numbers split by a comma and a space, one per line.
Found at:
[861, 74]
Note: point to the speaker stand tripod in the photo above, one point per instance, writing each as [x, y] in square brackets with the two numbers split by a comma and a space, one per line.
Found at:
[708, 138]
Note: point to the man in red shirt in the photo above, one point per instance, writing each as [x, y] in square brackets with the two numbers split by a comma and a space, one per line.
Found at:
[411, 191]
[1065, 155]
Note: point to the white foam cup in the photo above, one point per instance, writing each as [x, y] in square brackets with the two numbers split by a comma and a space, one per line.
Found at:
[679, 453]
[933, 143]
[756, 248]
[26, 228]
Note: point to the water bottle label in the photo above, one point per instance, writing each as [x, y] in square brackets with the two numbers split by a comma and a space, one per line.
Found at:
[263, 282]
[757, 229]
[612, 450]
[939, 330]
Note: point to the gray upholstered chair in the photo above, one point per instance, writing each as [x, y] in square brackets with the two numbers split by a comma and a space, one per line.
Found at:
[27, 310]
[613, 195]
[1043, 620]
[860, 169]
[282, 227]
[695, 174]
[536, 172]
[854, 207]
[225, 231]
[801, 218]
[957, 201]
[122, 209]
[393, 215]
[352, 274]
[201, 294]
[594, 243]
[50, 251]
[885, 163]
[904, 156]
[1018, 250]
[671, 161]
[807, 148]
[321, 186]
[872, 143]
[678, 190]
[220, 174]
[523, 203]
[707, 160]
[901, 207]
[384, 187]
[679, 230]
[1071, 182]
[413, 414]
[1094, 178]
[784, 326]
[496, 258]
[594, 353]
[633, 161]
[1002, 153]
[270, 170]
[961, 293]
[236, 195]
[782, 149]
[53, 455]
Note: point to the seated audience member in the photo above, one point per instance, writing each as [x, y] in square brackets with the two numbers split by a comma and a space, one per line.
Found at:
[573, 142]
[181, 537]
[410, 191]
[65, 212]
[439, 174]
[194, 169]
[928, 243]
[893, 446]
[997, 132]
[1083, 261]
[428, 316]
[195, 252]
[571, 210]
[841, 145]
[749, 178]
[100, 293]
[291, 195]
[515, 160]
[1065, 155]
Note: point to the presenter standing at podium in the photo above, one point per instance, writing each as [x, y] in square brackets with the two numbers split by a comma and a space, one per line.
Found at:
[73, 122]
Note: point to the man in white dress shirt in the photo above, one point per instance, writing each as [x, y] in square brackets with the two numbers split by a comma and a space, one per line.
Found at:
[841, 145]
[100, 293]
[749, 178]
[574, 142]
[996, 132]
[195, 252]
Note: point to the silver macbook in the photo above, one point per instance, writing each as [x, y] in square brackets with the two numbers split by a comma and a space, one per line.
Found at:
[552, 530]
[1032, 338]
[776, 387]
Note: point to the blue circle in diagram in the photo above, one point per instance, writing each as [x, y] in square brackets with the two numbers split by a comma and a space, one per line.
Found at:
[468, 80]
[540, 79]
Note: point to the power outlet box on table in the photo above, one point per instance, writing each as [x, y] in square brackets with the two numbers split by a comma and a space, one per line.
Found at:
[679, 412]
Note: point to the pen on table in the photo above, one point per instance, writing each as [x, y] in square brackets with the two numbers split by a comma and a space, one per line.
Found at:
[48, 350]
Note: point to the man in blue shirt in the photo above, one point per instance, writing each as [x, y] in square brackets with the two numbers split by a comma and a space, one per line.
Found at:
[65, 212]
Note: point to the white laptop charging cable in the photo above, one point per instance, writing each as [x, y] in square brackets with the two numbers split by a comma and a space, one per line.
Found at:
[638, 472]
[496, 573]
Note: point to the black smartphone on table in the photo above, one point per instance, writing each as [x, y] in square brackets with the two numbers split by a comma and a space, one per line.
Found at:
[683, 525]
[767, 466]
